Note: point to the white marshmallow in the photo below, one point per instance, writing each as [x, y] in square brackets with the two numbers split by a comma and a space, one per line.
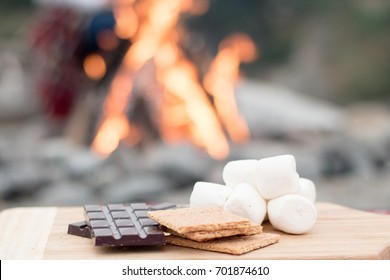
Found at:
[307, 189]
[240, 171]
[277, 176]
[205, 193]
[292, 213]
[245, 201]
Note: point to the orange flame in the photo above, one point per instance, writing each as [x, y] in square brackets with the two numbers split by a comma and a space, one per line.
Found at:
[187, 113]
[221, 78]
[180, 80]
[113, 129]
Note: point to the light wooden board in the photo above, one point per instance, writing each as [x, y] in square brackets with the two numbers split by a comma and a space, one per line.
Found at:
[340, 233]
[24, 232]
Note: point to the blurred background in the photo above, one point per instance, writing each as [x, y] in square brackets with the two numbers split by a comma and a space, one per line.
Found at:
[136, 100]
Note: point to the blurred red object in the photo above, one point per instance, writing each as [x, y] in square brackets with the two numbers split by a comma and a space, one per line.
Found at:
[61, 40]
[57, 98]
[381, 211]
[55, 39]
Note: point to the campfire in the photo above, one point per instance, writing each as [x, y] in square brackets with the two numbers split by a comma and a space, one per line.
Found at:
[187, 100]
[192, 107]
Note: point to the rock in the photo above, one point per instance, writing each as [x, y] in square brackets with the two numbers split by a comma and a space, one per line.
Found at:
[368, 125]
[4, 185]
[55, 150]
[75, 161]
[130, 159]
[22, 179]
[15, 100]
[65, 193]
[102, 178]
[137, 187]
[84, 6]
[82, 163]
[183, 164]
[368, 122]
[275, 111]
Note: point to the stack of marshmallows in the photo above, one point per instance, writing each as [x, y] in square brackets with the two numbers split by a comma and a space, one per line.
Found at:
[269, 188]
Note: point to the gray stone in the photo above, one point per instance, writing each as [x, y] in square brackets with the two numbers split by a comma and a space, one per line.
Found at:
[272, 110]
[183, 164]
[130, 159]
[22, 179]
[55, 150]
[82, 163]
[103, 178]
[356, 191]
[65, 193]
[15, 100]
[137, 187]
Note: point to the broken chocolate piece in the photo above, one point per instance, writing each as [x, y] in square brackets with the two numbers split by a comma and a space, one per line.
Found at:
[80, 229]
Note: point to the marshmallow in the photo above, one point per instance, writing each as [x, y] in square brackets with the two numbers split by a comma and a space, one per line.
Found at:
[245, 201]
[292, 213]
[205, 193]
[307, 189]
[277, 176]
[240, 171]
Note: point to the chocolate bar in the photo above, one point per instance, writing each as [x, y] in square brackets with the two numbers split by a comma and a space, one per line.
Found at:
[120, 225]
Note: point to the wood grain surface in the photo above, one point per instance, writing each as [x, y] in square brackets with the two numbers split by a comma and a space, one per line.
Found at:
[340, 233]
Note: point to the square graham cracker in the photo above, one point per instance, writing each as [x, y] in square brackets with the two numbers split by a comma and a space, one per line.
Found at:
[210, 235]
[185, 220]
[235, 245]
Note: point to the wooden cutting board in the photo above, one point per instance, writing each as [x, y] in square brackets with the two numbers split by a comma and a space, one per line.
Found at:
[340, 233]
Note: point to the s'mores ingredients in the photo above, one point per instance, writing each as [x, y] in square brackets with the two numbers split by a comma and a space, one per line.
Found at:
[292, 213]
[240, 171]
[307, 189]
[245, 201]
[205, 193]
[235, 245]
[204, 235]
[252, 184]
[277, 176]
[206, 218]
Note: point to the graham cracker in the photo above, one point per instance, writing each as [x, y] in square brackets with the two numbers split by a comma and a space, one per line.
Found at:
[208, 218]
[210, 235]
[235, 245]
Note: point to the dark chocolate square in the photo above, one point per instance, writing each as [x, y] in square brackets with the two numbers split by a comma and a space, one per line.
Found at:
[102, 232]
[139, 206]
[141, 213]
[120, 215]
[148, 222]
[99, 224]
[95, 215]
[128, 231]
[124, 223]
